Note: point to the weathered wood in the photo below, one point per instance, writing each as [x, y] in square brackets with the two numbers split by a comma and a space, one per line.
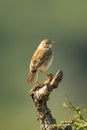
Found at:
[40, 95]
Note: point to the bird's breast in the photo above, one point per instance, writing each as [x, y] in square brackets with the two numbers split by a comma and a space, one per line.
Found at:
[46, 64]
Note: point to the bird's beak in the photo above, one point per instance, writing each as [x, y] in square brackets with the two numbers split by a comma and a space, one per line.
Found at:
[53, 42]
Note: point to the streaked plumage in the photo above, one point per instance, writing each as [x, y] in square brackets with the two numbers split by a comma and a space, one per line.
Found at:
[41, 59]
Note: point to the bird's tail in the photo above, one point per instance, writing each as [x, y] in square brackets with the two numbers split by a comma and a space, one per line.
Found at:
[30, 77]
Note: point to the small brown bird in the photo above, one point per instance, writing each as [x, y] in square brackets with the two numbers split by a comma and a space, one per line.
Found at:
[41, 59]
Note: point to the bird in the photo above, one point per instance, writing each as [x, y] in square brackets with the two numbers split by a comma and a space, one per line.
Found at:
[41, 59]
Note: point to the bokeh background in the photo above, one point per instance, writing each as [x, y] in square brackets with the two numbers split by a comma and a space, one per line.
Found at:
[23, 24]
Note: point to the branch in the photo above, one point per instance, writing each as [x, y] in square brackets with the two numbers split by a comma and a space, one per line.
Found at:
[40, 95]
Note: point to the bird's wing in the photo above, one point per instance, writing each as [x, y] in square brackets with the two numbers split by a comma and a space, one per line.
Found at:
[39, 57]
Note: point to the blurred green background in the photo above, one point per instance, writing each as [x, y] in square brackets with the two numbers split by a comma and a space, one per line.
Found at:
[23, 24]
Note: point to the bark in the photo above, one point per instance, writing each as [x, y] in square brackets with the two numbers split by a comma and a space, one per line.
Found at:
[40, 95]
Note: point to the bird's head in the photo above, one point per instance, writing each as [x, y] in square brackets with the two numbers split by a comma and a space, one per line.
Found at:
[46, 43]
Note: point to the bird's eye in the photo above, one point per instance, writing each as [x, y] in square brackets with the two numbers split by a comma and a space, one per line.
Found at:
[46, 42]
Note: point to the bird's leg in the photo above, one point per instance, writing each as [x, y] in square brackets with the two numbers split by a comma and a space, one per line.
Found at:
[36, 82]
[36, 76]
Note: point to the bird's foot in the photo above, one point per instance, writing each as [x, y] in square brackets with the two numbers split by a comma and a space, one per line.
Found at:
[37, 83]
